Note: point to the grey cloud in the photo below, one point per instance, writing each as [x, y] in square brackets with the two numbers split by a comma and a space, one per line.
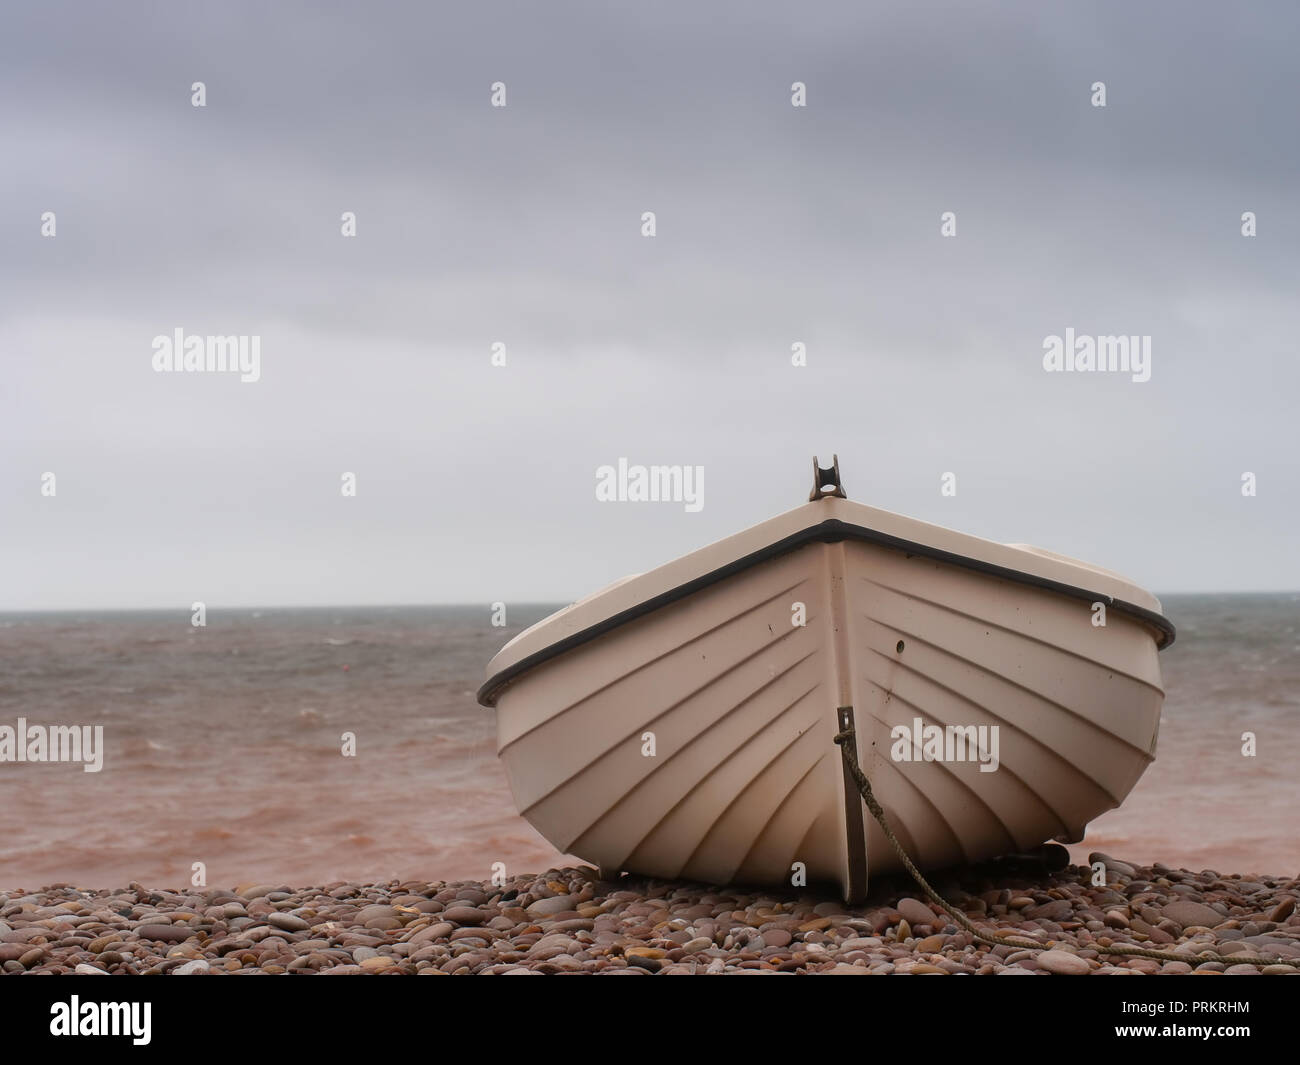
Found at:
[775, 225]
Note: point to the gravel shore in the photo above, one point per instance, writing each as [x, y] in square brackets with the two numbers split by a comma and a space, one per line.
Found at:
[569, 921]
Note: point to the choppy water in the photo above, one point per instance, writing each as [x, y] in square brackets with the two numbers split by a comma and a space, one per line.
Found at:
[1234, 668]
[222, 745]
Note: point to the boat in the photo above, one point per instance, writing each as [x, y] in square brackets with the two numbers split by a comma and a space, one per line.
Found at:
[682, 723]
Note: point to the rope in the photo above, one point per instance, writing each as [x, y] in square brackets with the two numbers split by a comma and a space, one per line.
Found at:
[864, 786]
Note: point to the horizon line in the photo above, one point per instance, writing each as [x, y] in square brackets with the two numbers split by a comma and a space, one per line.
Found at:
[477, 605]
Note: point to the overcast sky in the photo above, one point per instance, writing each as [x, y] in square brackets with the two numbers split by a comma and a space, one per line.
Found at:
[522, 225]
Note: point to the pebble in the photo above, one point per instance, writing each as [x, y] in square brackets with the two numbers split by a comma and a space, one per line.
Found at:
[288, 922]
[429, 934]
[545, 907]
[167, 933]
[378, 963]
[1185, 912]
[916, 912]
[568, 921]
[1063, 963]
[1117, 867]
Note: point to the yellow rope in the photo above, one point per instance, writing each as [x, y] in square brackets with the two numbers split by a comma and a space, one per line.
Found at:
[864, 786]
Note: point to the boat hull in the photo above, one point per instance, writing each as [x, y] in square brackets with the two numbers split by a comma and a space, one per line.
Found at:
[696, 741]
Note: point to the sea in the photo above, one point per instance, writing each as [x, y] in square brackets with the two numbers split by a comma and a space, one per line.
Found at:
[307, 746]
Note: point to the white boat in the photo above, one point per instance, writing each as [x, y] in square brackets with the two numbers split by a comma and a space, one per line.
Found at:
[681, 723]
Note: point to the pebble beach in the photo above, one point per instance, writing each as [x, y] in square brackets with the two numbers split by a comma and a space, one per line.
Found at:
[569, 921]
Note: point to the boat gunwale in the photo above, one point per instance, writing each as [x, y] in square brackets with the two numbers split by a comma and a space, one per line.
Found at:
[830, 530]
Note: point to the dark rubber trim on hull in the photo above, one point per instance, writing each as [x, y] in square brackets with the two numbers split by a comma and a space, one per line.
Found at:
[830, 531]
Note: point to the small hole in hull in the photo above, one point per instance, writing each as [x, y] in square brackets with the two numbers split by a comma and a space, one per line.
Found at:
[899, 648]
